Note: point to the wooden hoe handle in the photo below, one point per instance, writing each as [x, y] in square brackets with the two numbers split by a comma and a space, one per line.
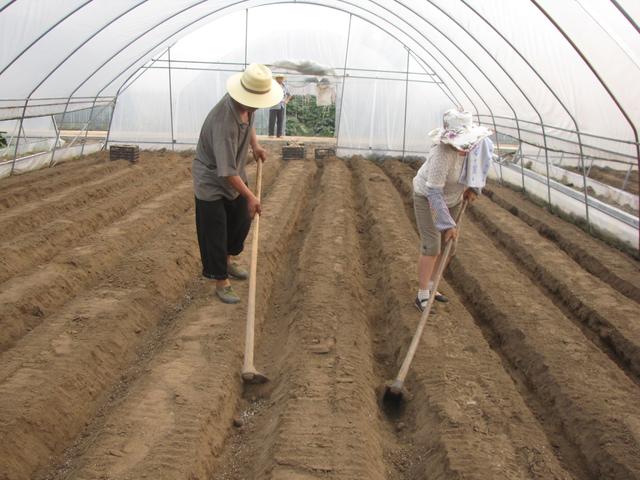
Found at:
[404, 369]
[248, 366]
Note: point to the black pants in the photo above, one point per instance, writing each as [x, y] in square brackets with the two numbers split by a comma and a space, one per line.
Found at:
[276, 116]
[222, 227]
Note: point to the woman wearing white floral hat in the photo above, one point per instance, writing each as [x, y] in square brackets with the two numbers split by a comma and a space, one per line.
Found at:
[224, 203]
[456, 169]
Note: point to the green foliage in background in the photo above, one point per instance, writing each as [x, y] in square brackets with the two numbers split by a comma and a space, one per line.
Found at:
[3, 141]
[306, 119]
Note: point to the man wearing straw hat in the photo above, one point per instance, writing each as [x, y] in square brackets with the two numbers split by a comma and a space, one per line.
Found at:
[224, 203]
[456, 168]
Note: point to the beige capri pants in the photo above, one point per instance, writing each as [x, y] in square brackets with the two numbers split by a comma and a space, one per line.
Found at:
[431, 239]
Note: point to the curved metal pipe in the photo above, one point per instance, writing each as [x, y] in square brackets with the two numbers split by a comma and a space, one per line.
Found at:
[602, 82]
[344, 81]
[66, 107]
[9, 3]
[551, 90]
[626, 15]
[43, 34]
[474, 63]
[325, 6]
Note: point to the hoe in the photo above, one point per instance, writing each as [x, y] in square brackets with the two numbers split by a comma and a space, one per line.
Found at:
[394, 392]
[249, 372]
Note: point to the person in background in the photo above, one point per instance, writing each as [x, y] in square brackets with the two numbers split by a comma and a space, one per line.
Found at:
[277, 113]
[456, 168]
[224, 203]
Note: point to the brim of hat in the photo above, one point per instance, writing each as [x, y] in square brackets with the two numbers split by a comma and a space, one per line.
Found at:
[254, 100]
[462, 141]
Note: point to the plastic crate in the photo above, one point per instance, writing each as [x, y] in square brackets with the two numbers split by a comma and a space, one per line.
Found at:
[124, 152]
[322, 153]
[293, 153]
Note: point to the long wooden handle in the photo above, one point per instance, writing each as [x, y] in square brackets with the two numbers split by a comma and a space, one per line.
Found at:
[404, 369]
[251, 308]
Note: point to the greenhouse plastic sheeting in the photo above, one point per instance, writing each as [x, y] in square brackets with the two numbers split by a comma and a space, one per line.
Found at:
[509, 62]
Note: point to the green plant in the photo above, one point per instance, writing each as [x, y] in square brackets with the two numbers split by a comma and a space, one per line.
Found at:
[3, 140]
[306, 119]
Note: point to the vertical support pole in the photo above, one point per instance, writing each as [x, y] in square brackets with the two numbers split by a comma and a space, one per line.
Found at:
[344, 78]
[55, 126]
[55, 145]
[246, 36]
[546, 161]
[522, 168]
[86, 132]
[497, 146]
[406, 100]
[584, 186]
[501, 181]
[113, 111]
[15, 152]
[626, 178]
[173, 140]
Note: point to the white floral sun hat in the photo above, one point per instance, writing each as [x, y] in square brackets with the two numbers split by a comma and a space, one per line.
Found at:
[459, 131]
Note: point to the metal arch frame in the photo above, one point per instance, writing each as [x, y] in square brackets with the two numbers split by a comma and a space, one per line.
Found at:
[173, 139]
[552, 91]
[597, 75]
[200, 2]
[121, 50]
[122, 88]
[421, 47]
[454, 100]
[8, 4]
[584, 144]
[66, 107]
[26, 103]
[515, 116]
[402, 20]
[43, 34]
[311, 3]
[544, 137]
[344, 81]
[626, 15]
[166, 38]
[317, 4]
[197, 3]
[444, 56]
[274, 3]
[406, 98]
[446, 70]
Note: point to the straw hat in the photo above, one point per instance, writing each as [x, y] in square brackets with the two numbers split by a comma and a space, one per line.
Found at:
[254, 87]
[459, 131]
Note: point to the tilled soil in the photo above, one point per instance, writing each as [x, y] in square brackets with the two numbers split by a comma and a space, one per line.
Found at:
[117, 362]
